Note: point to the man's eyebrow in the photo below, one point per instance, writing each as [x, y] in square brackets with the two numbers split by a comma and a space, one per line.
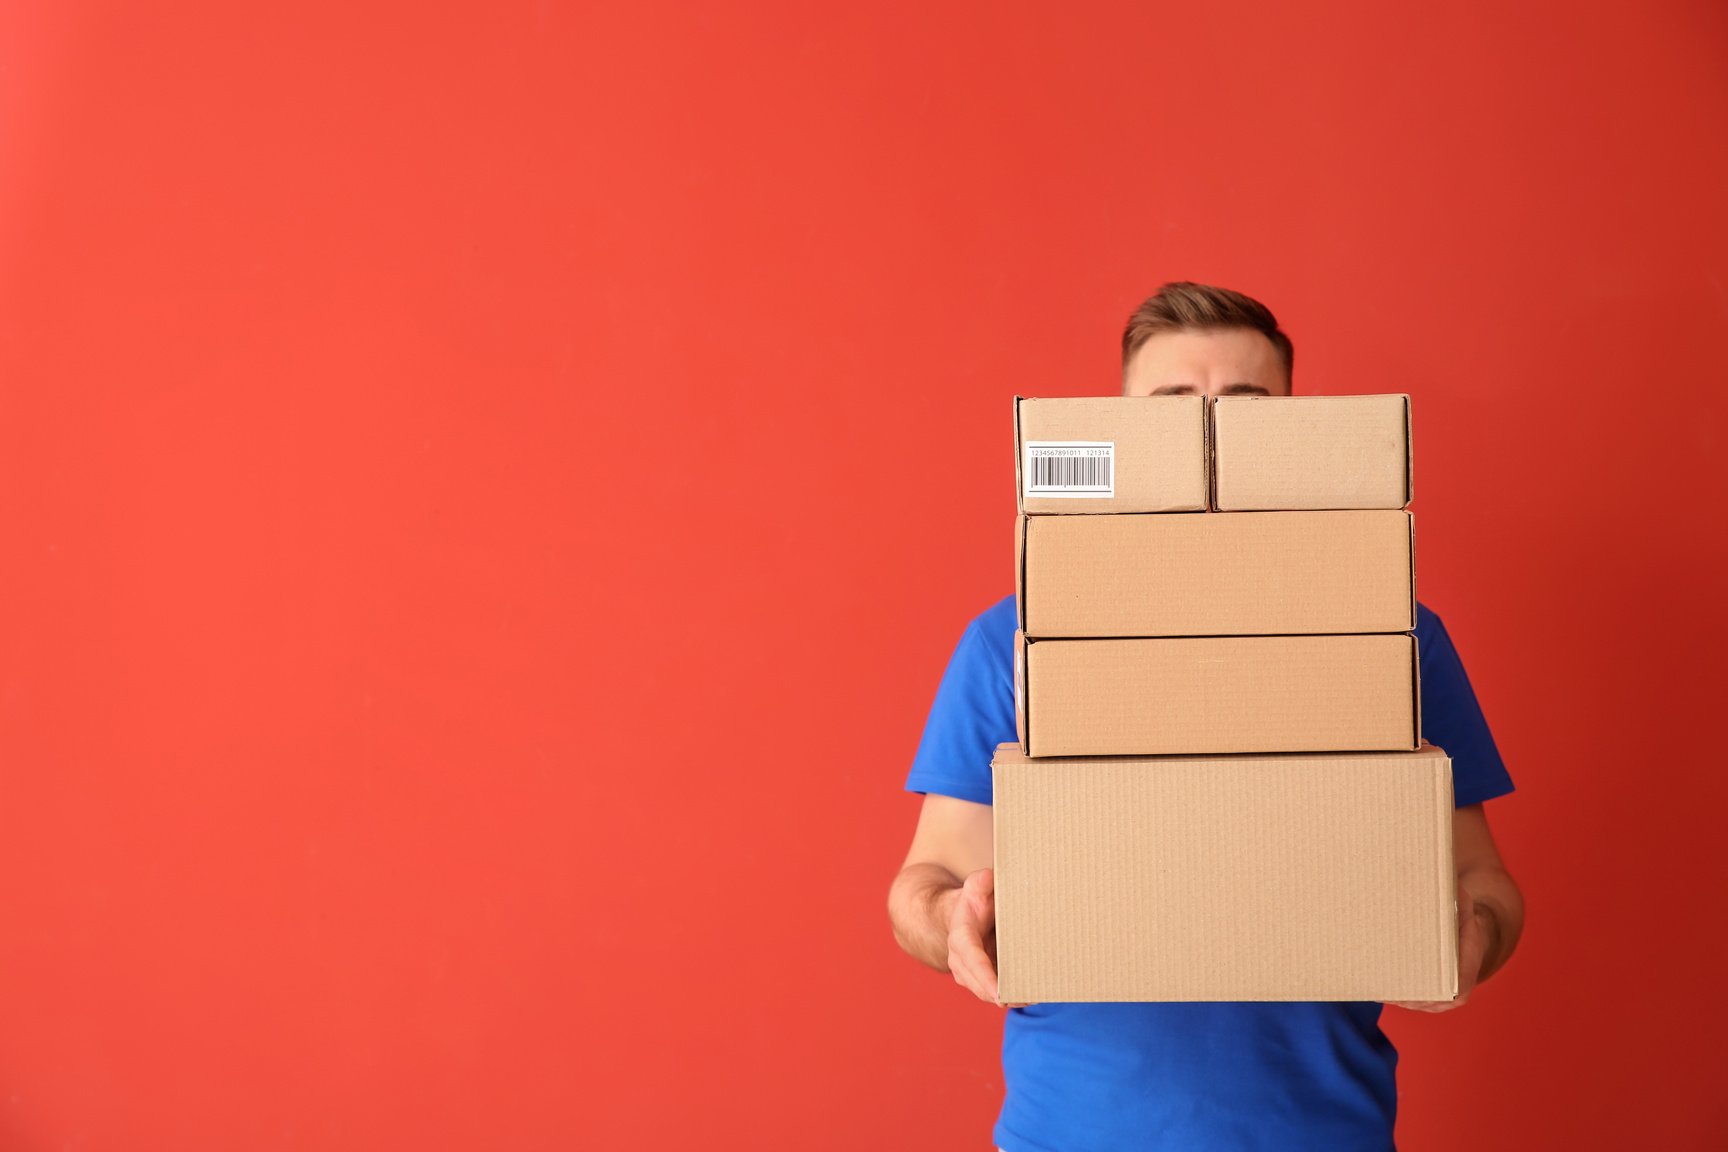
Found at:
[1175, 390]
[1245, 390]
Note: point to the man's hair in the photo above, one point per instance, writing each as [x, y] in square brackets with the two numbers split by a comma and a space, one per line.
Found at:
[1185, 306]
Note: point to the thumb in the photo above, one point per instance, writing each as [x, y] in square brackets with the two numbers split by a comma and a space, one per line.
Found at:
[980, 889]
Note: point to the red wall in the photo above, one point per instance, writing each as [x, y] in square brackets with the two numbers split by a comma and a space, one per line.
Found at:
[486, 496]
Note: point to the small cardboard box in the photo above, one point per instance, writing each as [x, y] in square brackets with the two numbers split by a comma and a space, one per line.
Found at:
[1301, 452]
[1306, 877]
[1198, 694]
[1257, 573]
[1111, 454]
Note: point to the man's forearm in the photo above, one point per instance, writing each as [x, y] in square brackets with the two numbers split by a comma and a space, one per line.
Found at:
[1500, 906]
[919, 904]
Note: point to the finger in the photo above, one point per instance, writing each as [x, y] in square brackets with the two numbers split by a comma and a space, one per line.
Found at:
[1423, 1005]
[1468, 921]
[1466, 912]
[1472, 944]
[968, 934]
[961, 969]
[980, 894]
[976, 977]
[988, 988]
[966, 947]
[966, 950]
[965, 943]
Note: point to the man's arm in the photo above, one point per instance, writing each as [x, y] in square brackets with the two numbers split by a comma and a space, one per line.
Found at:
[1490, 907]
[942, 903]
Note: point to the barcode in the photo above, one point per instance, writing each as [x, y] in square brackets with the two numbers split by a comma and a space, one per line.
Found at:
[1070, 472]
[1070, 468]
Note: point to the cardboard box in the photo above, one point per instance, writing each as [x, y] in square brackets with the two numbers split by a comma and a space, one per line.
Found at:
[1257, 573]
[1111, 454]
[1309, 877]
[1175, 696]
[1301, 452]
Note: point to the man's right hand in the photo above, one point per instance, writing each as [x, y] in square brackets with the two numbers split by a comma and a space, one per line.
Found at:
[972, 934]
[940, 919]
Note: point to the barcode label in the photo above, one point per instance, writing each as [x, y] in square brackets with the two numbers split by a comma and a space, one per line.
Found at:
[1070, 468]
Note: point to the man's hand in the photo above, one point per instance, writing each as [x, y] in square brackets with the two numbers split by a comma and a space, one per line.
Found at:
[1490, 908]
[971, 910]
[940, 919]
[1476, 931]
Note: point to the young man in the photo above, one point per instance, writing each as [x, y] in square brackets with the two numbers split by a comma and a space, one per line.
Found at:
[1079, 1077]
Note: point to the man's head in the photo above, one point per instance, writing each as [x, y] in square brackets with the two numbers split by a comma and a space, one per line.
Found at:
[1196, 340]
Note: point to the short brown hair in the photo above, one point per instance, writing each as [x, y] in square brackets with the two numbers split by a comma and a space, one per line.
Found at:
[1183, 304]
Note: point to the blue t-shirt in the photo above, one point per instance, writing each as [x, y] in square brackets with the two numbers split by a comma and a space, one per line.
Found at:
[1286, 1076]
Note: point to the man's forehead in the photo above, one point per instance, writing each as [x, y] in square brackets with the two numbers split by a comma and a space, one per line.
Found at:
[1208, 344]
[1218, 362]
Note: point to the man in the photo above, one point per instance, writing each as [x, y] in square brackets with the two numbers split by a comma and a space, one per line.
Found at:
[1284, 1076]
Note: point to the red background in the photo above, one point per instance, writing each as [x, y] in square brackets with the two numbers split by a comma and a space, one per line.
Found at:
[488, 491]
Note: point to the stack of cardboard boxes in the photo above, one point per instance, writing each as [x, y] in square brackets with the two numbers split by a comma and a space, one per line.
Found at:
[1220, 790]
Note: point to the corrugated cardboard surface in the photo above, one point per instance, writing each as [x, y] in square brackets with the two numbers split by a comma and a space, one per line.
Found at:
[1160, 449]
[1296, 452]
[1255, 573]
[1308, 877]
[1220, 694]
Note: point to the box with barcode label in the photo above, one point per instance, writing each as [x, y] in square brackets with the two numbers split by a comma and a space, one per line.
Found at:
[1111, 454]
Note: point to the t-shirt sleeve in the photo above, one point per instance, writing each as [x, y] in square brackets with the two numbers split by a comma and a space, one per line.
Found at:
[1453, 721]
[973, 712]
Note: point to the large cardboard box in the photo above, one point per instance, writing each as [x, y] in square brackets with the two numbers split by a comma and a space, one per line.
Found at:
[1197, 694]
[1256, 573]
[1299, 452]
[1296, 877]
[1111, 454]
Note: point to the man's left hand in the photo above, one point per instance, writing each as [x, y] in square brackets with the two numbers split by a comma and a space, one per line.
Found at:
[1475, 925]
